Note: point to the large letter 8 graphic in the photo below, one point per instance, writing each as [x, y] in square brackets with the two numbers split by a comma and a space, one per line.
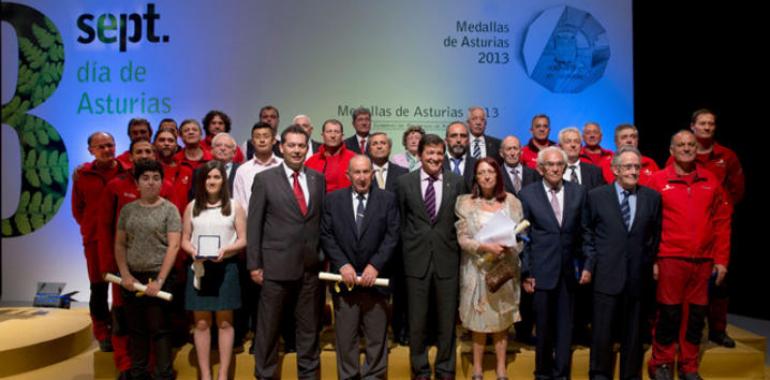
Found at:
[44, 163]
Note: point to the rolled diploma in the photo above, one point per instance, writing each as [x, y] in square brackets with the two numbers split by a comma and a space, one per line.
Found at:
[326, 276]
[138, 286]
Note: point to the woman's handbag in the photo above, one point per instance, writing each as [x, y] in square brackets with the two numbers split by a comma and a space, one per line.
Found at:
[499, 274]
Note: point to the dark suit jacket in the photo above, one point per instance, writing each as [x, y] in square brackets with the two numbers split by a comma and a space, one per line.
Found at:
[591, 176]
[552, 248]
[528, 176]
[199, 170]
[617, 258]
[391, 179]
[422, 240]
[493, 145]
[352, 144]
[280, 239]
[470, 164]
[379, 232]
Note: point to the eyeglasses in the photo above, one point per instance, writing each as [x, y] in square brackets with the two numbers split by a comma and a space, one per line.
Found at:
[630, 166]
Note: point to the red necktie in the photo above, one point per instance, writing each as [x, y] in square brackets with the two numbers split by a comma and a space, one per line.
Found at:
[363, 146]
[299, 194]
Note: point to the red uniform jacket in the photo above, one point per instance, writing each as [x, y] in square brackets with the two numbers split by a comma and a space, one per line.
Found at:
[724, 164]
[87, 186]
[596, 159]
[529, 153]
[696, 216]
[333, 167]
[180, 158]
[649, 167]
[180, 176]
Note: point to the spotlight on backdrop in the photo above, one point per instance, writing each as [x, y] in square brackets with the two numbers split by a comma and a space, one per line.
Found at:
[49, 294]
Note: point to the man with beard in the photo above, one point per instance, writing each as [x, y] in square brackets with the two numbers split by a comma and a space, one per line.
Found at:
[459, 160]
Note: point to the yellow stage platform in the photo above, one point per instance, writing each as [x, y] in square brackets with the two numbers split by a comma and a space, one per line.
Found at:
[57, 344]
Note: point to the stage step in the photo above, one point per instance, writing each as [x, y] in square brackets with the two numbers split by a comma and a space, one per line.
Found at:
[32, 338]
[742, 362]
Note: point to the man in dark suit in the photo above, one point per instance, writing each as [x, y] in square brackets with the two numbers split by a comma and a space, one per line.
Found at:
[386, 176]
[587, 175]
[481, 144]
[459, 160]
[431, 256]
[621, 224]
[223, 149]
[553, 208]
[385, 172]
[359, 231]
[282, 255]
[590, 177]
[269, 115]
[515, 174]
[304, 122]
[362, 123]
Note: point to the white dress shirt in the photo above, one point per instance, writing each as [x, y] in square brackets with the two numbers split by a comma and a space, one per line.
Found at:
[302, 181]
[244, 178]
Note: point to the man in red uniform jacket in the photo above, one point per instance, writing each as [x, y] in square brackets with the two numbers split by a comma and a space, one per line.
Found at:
[627, 134]
[724, 164]
[89, 180]
[541, 128]
[333, 157]
[593, 153]
[694, 244]
[138, 129]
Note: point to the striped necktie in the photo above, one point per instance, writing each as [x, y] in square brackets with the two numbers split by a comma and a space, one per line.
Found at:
[430, 199]
[625, 209]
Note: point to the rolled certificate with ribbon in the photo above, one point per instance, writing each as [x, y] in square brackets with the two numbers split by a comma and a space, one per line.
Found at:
[500, 234]
[138, 286]
[326, 276]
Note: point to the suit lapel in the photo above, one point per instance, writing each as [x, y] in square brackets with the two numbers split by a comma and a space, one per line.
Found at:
[349, 214]
[370, 210]
[416, 189]
[445, 194]
[547, 205]
[288, 190]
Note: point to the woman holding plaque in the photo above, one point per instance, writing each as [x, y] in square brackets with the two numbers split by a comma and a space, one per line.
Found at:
[213, 232]
[146, 243]
[483, 311]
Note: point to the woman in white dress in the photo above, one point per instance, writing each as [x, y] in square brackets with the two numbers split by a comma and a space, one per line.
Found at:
[483, 312]
[215, 294]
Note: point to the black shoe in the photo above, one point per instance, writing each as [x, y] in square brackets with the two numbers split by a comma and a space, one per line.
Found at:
[106, 345]
[690, 376]
[722, 339]
[663, 372]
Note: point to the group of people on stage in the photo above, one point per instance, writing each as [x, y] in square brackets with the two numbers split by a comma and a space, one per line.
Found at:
[617, 249]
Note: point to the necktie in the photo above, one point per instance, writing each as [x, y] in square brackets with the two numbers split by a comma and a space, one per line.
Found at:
[379, 177]
[430, 199]
[516, 180]
[360, 211]
[555, 205]
[476, 149]
[362, 145]
[456, 165]
[625, 209]
[573, 177]
[299, 194]
[413, 161]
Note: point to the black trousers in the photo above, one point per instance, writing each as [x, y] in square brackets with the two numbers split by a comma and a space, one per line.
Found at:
[443, 293]
[365, 311]
[149, 323]
[553, 322]
[303, 295]
[621, 313]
